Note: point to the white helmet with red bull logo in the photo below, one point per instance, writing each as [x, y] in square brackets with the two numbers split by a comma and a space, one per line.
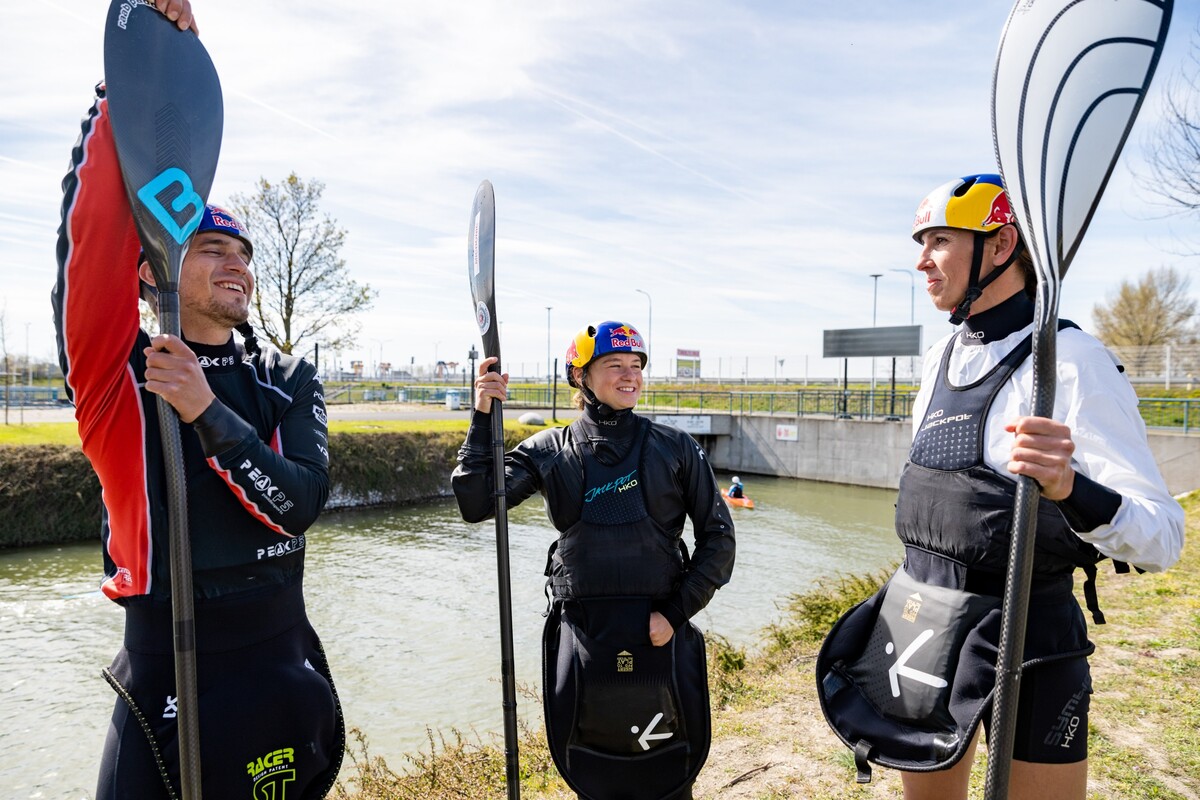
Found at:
[975, 203]
[600, 340]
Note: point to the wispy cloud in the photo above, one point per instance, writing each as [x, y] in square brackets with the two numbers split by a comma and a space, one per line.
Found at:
[748, 166]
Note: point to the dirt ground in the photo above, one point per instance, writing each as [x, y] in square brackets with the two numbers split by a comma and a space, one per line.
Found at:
[781, 747]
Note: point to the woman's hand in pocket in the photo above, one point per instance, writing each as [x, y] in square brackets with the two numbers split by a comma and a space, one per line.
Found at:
[660, 630]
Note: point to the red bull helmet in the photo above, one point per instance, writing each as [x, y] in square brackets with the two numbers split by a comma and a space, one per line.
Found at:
[218, 219]
[599, 340]
[974, 203]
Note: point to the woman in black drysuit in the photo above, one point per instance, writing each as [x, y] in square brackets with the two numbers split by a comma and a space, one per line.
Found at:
[625, 690]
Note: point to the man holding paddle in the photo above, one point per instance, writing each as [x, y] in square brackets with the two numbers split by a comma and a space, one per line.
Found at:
[924, 649]
[255, 456]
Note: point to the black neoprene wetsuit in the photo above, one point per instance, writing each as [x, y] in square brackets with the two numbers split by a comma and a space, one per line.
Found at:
[618, 488]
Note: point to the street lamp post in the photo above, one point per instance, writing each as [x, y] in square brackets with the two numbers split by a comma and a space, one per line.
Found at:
[874, 308]
[875, 296]
[549, 371]
[649, 326]
[912, 316]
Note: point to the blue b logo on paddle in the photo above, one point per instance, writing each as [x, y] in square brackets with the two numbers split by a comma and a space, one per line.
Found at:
[186, 198]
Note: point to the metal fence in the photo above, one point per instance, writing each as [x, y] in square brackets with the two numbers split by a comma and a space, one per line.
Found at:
[30, 396]
[1172, 365]
[1164, 413]
[856, 403]
[1171, 413]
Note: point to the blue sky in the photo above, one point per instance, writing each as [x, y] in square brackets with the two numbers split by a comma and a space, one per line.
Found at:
[746, 165]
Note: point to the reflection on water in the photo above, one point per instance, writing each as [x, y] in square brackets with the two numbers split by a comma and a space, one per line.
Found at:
[406, 604]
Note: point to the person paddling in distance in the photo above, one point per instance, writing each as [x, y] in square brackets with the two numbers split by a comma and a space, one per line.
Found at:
[936, 629]
[252, 424]
[625, 690]
[736, 489]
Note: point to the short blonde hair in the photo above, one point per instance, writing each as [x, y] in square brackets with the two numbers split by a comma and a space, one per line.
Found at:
[577, 399]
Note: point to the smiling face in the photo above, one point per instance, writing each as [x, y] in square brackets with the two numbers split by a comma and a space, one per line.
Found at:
[616, 379]
[215, 286]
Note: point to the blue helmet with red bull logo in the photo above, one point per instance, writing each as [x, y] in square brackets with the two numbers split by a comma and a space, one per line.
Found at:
[599, 340]
[218, 219]
[976, 203]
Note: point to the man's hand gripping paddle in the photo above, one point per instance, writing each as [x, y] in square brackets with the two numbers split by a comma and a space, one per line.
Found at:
[1070, 77]
[165, 102]
[481, 267]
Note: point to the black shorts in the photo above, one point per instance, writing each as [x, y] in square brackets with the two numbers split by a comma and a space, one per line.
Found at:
[1052, 713]
[269, 718]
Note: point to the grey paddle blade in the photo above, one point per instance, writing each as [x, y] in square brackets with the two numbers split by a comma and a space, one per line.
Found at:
[1070, 77]
[481, 267]
[167, 116]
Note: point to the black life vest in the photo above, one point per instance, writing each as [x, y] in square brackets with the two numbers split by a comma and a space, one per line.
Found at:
[615, 549]
[952, 504]
[624, 719]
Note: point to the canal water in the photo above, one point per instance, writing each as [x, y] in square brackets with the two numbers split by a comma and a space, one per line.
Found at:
[405, 602]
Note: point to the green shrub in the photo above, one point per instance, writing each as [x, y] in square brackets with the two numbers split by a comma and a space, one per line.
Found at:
[50, 494]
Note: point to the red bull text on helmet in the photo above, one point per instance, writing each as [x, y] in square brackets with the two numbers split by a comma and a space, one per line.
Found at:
[601, 339]
[625, 338]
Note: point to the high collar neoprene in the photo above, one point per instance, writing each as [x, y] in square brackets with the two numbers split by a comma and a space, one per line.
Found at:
[998, 321]
[602, 421]
[217, 357]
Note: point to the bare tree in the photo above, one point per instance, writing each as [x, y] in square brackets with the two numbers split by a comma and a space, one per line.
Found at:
[1155, 311]
[1173, 150]
[303, 289]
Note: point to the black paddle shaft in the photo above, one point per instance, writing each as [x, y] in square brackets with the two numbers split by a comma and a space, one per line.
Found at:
[1015, 607]
[481, 264]
[167, 114]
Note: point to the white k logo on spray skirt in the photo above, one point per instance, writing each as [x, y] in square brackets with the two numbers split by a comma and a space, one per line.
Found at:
[646, 737]
[901, 668]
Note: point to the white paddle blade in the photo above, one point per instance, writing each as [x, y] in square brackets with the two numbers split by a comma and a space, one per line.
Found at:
[481, 266]
[1070, 77]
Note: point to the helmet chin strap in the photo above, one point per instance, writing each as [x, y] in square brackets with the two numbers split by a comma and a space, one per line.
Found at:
[975, 286]
[603, 410]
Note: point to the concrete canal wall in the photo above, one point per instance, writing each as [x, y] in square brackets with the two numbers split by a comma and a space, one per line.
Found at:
[864, 452]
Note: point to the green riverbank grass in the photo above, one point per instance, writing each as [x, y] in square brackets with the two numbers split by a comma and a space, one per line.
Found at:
[404, 425]
[67, 433]
[771, 742]
[58, 433]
